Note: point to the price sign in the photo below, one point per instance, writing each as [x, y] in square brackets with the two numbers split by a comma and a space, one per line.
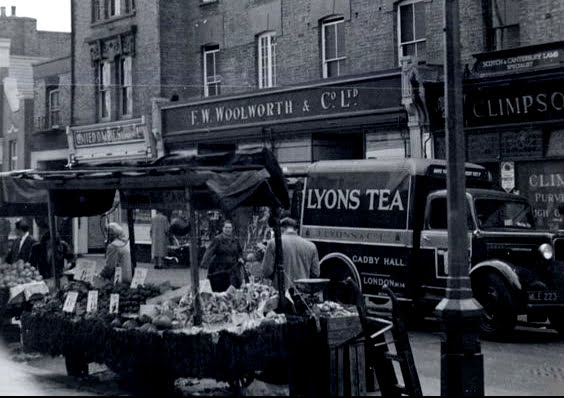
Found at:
[85, 270]
[117, 276]
[70, 302]
[508, 176]
[139, 277]
[92, 303]
[114, 303]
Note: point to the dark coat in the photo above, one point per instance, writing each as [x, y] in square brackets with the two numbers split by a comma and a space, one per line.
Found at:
[24, 253]
[39, 258]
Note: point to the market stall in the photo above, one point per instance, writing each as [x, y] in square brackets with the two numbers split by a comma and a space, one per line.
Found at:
[196, 333]
[20, 282]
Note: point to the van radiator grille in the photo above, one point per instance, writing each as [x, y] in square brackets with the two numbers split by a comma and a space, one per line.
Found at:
[559, 249]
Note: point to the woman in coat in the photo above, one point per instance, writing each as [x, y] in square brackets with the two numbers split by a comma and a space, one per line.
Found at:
[159, 238]
[223, 260]
[117, 254]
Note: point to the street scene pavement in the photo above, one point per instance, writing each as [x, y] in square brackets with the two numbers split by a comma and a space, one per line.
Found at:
[529, 362]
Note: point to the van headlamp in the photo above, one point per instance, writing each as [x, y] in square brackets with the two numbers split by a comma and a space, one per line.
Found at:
[546, 251]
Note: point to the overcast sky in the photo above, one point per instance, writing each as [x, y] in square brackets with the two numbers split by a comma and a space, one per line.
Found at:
[53, 15]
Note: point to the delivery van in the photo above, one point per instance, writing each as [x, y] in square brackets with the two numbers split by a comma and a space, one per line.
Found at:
[384, 222]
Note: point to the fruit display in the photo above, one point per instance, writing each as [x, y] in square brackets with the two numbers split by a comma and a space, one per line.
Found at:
[17, 274]
[332, 309]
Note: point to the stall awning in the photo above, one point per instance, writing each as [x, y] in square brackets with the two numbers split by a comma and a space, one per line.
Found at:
[20, 198]
[221, 180]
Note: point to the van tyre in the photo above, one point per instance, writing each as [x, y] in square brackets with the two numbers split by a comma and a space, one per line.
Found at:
[499, 315]
[556, 319]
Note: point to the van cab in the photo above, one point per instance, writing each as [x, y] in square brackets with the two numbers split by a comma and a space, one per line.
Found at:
[384, 222]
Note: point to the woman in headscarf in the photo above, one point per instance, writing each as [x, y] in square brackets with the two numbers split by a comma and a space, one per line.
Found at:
[117, 254]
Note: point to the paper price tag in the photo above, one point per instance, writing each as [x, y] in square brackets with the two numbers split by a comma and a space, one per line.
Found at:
[92, 303]
[114, 303]
[85, 270]
[117, 276]
[139, 277]
[70, 302]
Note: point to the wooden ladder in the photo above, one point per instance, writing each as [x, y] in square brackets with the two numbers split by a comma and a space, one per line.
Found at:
[380, 356]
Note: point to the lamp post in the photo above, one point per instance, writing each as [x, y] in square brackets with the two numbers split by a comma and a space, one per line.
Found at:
[462, 367]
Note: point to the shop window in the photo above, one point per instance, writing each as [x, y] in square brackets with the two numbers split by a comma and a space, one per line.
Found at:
[267, 60]
[126, 85]
[104, 93]
[212, 80]
[411, 29]
[333, 47]
[54, 108]
[13, 154]
[387, 144]
[503, 24]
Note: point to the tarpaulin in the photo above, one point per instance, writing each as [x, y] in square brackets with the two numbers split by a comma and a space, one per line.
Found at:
[20, 198]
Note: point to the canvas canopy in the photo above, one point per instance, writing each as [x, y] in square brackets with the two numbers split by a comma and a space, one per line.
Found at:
[21, 198]
[216, 181]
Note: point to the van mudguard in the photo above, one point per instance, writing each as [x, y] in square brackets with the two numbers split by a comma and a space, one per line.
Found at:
[504, 268]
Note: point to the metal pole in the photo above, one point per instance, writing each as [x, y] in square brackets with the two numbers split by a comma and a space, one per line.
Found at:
[278, 260]
[194, 264]
[131, 231]
[462, 368]
[53, 240]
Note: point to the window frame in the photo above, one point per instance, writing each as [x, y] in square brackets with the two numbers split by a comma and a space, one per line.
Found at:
[494, 29]
[54, 110]
[339, 60]
[115, 6]
[13, 154]
[126, 85]
[211, 50]
[270, 58]
[414, 41]
[97, 11]
[104, 90]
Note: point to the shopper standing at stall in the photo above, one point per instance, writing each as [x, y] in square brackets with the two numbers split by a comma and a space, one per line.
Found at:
[300, 257]
[159, 238]
[21, 247]
[117, 254]
[223, 260]
[40, 256]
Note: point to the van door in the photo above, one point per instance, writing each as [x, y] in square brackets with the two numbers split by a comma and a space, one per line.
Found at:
[434, 244]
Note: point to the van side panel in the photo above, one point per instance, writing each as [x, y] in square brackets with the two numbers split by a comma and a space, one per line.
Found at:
[357, 200]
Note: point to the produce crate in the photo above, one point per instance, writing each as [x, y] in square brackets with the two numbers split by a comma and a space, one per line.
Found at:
[346, 361]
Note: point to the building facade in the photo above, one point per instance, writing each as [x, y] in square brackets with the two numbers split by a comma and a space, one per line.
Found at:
[21, 47]
[312, 79]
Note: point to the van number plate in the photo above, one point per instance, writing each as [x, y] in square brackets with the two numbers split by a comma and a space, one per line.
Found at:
[543, 296]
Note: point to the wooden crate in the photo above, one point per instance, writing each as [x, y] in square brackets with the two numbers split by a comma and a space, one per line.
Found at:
[346, 362]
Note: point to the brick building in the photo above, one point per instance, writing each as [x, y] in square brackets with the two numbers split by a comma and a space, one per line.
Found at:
[21, 47]
[313, 79]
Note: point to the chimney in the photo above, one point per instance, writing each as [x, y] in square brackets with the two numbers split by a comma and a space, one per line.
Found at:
[3, 11]
[13, 11]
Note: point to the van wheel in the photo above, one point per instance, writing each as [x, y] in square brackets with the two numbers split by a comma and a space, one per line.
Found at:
[556, 319]
[337, 291]
[499, 315]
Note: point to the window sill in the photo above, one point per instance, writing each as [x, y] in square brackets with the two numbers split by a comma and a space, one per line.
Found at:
[110, 20]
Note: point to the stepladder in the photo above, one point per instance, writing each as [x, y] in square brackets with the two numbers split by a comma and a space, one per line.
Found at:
[388, 356]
